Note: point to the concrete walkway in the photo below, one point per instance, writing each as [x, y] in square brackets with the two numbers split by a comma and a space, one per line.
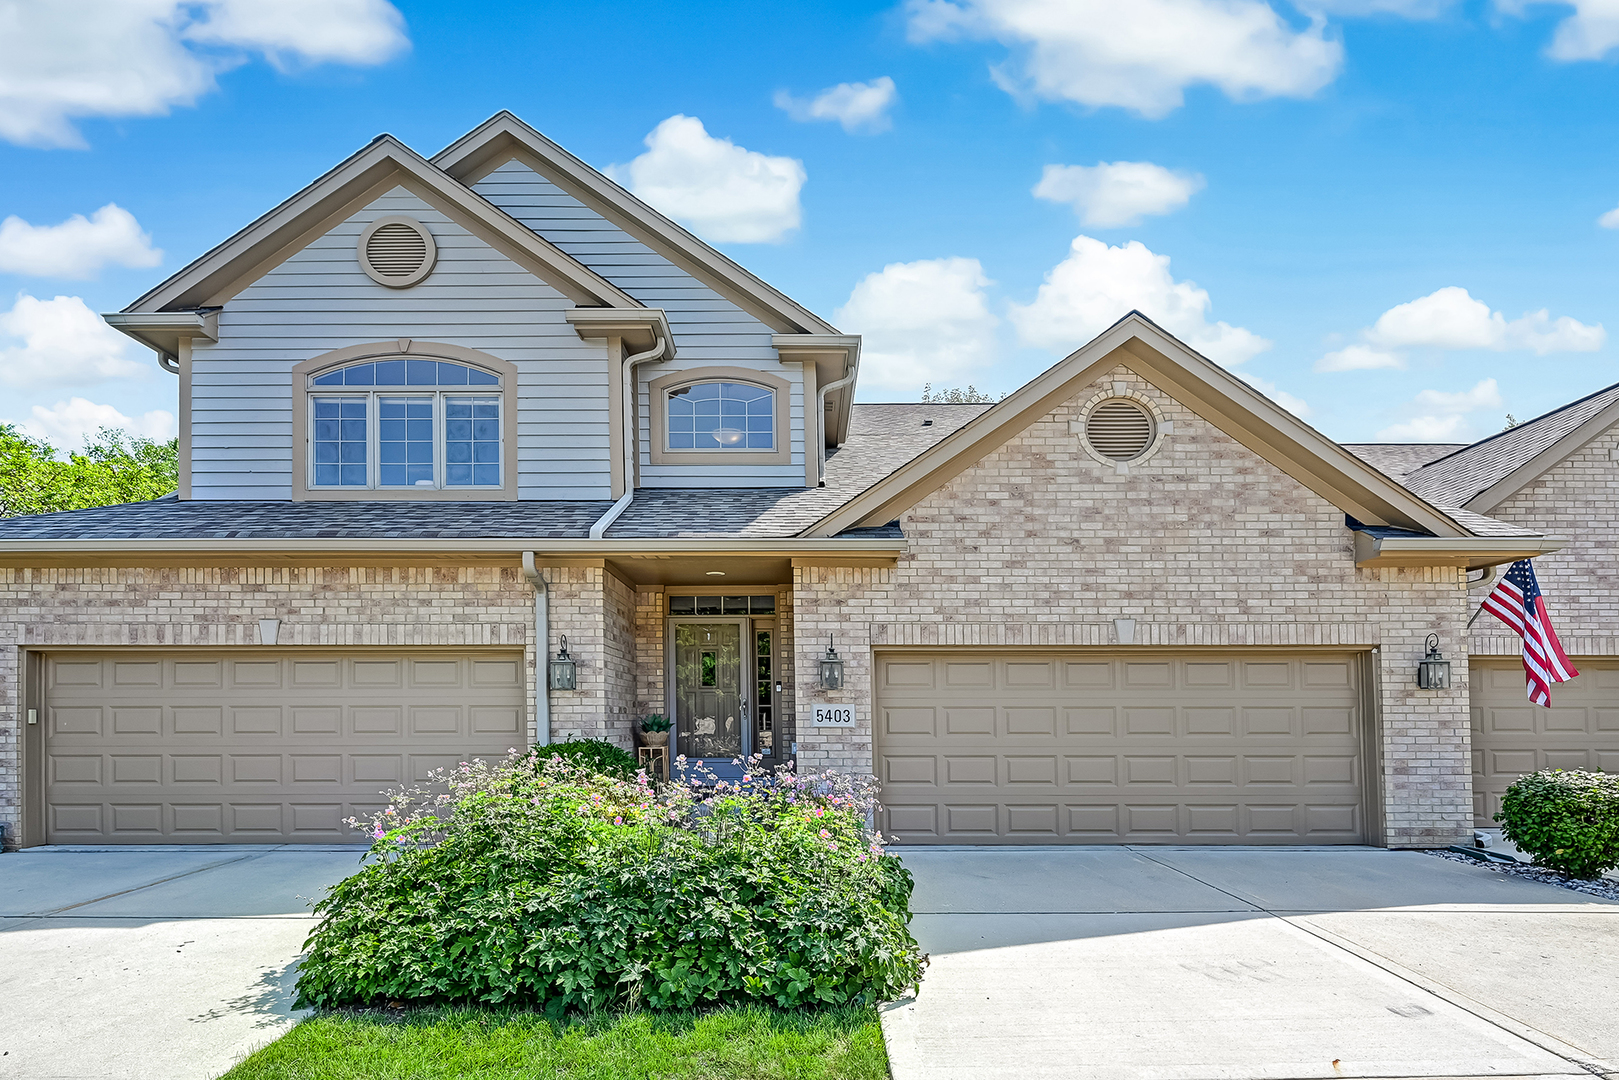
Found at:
[169, 963]
[1202, 964]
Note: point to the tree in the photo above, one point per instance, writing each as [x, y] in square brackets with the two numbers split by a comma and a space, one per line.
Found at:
[115, 467]
[957, 396]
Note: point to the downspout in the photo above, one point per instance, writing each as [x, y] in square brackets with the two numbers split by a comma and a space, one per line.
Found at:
[542, 652]
[820, 415]
[632, 436]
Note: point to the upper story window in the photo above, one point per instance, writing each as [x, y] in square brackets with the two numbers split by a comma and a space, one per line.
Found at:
[722, 416]
[406, 423]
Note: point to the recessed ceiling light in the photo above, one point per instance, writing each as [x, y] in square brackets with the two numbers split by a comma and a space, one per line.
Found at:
[716, 573]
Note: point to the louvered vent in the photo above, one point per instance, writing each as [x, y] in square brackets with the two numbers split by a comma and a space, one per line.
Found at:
[1119, 430]
[397, 252]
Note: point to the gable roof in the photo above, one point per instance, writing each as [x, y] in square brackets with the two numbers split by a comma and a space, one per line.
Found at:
[1400, 459]
[503, 137]
[381, 165]
[1197, 382]
[1483, 475]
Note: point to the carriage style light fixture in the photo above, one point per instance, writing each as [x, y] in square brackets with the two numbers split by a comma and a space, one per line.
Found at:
[564, 672]
[831, 668]
[1433, 673]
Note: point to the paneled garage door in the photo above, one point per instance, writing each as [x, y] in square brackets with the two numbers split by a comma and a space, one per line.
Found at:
[1512, 737]
[249, 747]
[1072, 748]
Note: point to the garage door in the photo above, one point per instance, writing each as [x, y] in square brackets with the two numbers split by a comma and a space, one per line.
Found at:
[1043, 748]
[1512, 737]
[251, 747]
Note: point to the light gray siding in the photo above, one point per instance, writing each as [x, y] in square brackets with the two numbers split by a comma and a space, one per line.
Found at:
[320, 299]
[709, 329]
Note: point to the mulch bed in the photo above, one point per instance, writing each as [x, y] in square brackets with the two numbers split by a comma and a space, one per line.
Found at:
[1605, 888]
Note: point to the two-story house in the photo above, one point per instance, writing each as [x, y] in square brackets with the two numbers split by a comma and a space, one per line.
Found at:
[481, 450]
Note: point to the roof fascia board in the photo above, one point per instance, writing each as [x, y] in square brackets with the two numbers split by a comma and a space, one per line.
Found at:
[1474, 553]
[606, 548]
[834, 356]
[385, 162]
[638, 327]
[1543, 462]
[1220, 397]
[162, 331]
[504, 137]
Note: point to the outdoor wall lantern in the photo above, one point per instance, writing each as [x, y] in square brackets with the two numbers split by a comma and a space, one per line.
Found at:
[1434, 671]
[564, 673]
[831, 668]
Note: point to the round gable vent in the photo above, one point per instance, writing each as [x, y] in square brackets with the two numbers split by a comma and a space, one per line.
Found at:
[397, 251]
[1120, 430]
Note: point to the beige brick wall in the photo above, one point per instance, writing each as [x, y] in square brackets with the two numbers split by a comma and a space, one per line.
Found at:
[1206, 543]
[1578, 500]
[366, 605]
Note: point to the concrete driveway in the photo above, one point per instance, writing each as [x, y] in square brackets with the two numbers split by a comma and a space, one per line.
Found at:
[1171, 963]
[152, 962]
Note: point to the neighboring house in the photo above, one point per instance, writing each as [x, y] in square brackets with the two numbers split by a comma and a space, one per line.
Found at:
[439, 416]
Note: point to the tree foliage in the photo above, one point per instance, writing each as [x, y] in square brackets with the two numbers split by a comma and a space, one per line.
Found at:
[955, 395]
[115, 467]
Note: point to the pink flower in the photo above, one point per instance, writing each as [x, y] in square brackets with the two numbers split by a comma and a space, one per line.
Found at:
[377, 834]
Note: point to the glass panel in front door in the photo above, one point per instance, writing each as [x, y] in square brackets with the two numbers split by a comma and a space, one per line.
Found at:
[710, 712]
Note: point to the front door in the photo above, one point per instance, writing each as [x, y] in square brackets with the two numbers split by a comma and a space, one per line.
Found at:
[712, 694]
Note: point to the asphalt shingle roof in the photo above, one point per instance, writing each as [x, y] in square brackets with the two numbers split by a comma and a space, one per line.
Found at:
[1458, 477]
[1399, 460]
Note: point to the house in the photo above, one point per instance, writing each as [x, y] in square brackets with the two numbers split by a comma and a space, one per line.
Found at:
[481, 450]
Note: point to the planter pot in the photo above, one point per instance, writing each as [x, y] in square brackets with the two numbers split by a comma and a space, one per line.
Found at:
[654, 738]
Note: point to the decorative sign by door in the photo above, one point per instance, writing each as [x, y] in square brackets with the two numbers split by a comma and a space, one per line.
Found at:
[834, 714]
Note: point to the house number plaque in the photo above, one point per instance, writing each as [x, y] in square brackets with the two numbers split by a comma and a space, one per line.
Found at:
[834, 714]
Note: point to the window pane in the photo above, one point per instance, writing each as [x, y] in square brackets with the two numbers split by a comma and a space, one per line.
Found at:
[708, 605]
[390, 373]
[421, 373]
[681, 605]
[451, 374]
[360, 375]
[762, 605]
[472, 436]
[722, 416]
[405, 440]
[480, 378]
[331, 378]
[734, 605]
[339, 441]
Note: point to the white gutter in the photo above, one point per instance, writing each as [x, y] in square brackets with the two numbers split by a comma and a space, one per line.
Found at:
[632, 435]
[820, 416]
[542, 652]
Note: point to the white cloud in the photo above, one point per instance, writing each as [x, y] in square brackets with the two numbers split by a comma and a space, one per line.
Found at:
[925, 321]
[1297, 406]
[859, 107]
[66, 424]
[1140, 55]
[1450, 318]
[1096, 285]
[1610, 220]
[1591, 33]
[1443, 414]
[1359, 358]
[721, 190]
[1405, 9]
[60, 62]
[77, 248]
[61, 341]
[1112, 193]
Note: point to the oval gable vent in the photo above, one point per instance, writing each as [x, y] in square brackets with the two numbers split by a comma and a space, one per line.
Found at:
[397, 251]
[1119, 430]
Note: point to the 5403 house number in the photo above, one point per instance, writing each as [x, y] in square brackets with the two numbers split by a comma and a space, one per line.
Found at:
[834, 714]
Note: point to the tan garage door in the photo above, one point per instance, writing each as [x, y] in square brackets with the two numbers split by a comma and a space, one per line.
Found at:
[251, 747]
[1512, 737]
[1069, 748]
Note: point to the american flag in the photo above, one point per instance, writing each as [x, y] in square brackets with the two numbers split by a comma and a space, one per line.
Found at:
[1518, 603]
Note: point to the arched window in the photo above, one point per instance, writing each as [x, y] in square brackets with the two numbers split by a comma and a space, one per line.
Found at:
[406, 423]
[721, 416]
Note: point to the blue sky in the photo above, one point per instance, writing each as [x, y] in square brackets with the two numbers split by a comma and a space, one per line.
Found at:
[1360, 205]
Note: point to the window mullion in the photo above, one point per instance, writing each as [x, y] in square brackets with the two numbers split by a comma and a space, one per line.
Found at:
[373, 440]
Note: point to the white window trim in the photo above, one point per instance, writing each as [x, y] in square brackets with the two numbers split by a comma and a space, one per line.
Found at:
[373, 396]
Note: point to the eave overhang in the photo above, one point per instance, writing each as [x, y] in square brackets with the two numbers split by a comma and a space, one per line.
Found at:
[163, 331]
[638, 327]
[1474, 553]
[834, 356]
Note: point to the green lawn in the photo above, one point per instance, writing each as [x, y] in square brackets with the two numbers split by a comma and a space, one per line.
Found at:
[730, 1044]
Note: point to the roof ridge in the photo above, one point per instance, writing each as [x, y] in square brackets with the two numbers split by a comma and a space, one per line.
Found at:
[1518, 427]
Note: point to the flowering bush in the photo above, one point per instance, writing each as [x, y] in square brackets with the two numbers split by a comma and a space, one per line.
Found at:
[544, 884]
[596, 755]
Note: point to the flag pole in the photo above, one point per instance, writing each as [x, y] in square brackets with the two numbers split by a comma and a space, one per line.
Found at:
[1474, 619]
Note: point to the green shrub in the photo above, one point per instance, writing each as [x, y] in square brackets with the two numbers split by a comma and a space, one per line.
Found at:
[556, 888]
[592, 754]
[1567, 821]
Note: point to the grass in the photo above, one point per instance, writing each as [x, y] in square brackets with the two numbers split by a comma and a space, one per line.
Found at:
[493, 1044]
